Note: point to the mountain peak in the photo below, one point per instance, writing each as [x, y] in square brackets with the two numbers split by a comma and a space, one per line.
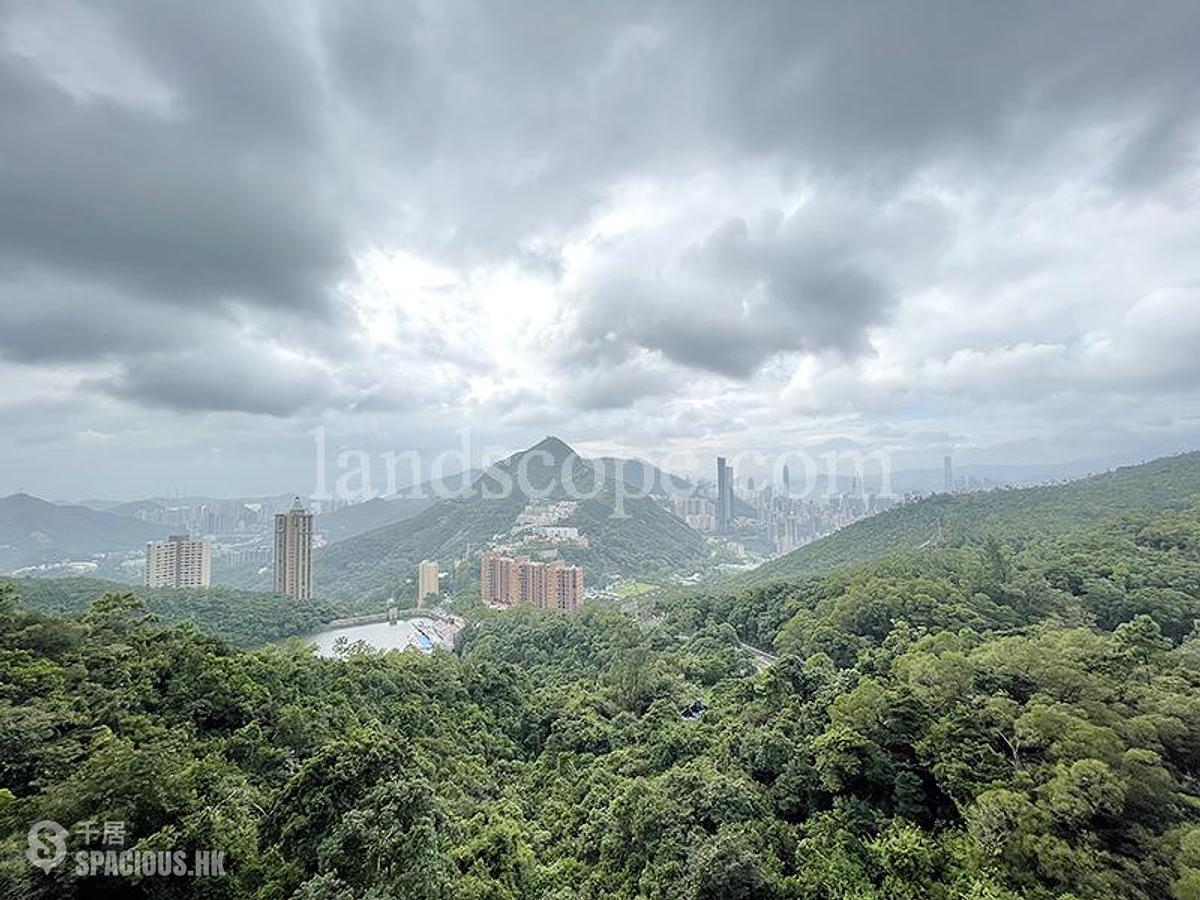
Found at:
[558, 449]
[28, 499]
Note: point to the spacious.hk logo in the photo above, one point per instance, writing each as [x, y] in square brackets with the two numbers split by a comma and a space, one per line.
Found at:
[47, 845]
[48, 849]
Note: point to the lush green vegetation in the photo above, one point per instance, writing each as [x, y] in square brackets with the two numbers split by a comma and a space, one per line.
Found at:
[360, 518]
[628, 589]
[650, 542]
[995, 720]
[245, 618]
[1014, 515]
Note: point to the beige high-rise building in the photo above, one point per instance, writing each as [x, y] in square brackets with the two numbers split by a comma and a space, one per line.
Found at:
[497, 579]
[179, 561]
[510, 580]
[427, 580]
[566, 589]
[293, 552]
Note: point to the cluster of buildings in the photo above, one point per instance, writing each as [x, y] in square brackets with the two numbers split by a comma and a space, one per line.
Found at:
[182, 561]
[212, 517]
[560, 534]
[541, 514]
[964, 484]
[699, 513]
[792, 522]
[769, 513]
[509, 580]
[221, 517]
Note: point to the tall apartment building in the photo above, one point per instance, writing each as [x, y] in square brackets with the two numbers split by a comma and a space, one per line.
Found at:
[427, 580]
[293, 552]
[179, 561]
[947, 474]
[551, 585]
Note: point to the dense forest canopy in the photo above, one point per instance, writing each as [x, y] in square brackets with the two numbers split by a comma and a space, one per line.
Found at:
[996, 720]
[244, 618]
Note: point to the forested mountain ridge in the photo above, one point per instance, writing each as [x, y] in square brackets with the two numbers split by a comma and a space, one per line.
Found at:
[988, 721]
[1017, 514]
[359, 518]
[368, 568]
[1099, 576]
[33, 530]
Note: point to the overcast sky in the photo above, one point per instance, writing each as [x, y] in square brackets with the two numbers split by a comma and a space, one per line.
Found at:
[918, 227]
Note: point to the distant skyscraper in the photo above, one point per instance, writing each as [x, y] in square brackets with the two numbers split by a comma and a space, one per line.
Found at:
[724, 497]
[293, 552]
[787, 481]
[179, 561]
[427, 580]
[947, 474]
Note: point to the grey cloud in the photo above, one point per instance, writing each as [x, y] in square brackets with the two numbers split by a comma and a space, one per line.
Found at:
[884, 90]
[222, 382]
[176, 243]
[519, 118]
[813, 281]
[200, 206]
[52, 320]
[241, 67]
[605, 388]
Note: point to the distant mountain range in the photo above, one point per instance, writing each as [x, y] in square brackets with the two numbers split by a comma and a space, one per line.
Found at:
[359, 518]
[647, 540]
[642, 475]
[34, 531]
[147, 504]
[1018, 514]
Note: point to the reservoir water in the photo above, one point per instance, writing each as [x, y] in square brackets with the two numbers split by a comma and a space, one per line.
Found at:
[424, 634]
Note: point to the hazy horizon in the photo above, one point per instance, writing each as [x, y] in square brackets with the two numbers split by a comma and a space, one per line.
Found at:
[1008, 473]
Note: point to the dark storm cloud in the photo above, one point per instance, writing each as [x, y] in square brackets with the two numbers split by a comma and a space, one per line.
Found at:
[217, 199]
[50, 320]
[521, 116]
[197, 381]
[487, 133]
[812, 281]
[887, 88]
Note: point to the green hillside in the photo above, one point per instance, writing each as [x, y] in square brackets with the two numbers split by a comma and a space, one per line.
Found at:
[368, 568]
[359, 518]
[650, 543]
[1016, 514]
[33, 531]
[363, 517]
[990, 722]
[246, 618]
